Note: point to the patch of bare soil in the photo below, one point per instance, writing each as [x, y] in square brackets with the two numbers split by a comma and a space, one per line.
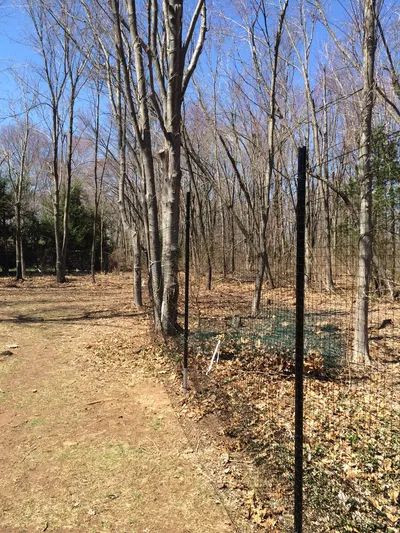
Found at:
[89, 441]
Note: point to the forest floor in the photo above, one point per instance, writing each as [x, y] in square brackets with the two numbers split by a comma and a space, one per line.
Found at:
[97, 436]
[351, 412]
[89, 440]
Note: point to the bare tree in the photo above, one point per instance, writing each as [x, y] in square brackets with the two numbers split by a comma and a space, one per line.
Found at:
[157, 88]
[15, 155]
[75, 65]
[54, 74]
[18, 148]
[99, 165]
[361, 345]
[274, 53]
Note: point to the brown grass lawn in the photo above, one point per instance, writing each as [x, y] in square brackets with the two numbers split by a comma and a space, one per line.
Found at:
[89, 441]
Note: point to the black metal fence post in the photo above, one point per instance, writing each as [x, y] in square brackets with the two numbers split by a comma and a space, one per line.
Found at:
[299, 386]
[187, 269]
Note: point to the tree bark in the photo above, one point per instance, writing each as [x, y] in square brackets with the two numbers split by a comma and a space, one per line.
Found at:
[361, 345]
[170, 215]
[141, 122]
[327, 244]
[96, 186]
[127, 228]
[137, 270]
[18, 242]
[65, 232]
[56, 201]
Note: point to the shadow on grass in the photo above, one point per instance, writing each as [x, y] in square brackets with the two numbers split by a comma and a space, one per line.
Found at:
[93, 315]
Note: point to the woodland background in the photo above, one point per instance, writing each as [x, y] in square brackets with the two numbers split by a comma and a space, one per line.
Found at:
[119, 106]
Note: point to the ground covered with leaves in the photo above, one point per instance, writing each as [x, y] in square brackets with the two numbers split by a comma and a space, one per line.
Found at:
[352, 415]
[90, 442]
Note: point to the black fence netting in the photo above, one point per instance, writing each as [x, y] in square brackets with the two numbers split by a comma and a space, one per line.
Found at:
[242, 354]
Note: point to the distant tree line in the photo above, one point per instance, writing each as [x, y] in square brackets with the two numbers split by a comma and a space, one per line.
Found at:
[37, 236]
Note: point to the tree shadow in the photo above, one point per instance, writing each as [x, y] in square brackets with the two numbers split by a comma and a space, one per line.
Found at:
[92, 315]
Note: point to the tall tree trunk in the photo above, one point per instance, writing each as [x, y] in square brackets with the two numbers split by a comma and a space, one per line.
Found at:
[93, 249]
[54, 73]
[68, 187]
[18, 242]
[170, 215]
[393, 235]
[141, 123]
[96, 187]
[56, 197]
[56, 217]
[200, 218]
[309, 255]
[170, 226]
[327, 245]
[262, 262]
[361, 346]
[137, 270]
[223, 239]
[23, 269]
[102, 239]
[162, 84]
[74, 72]
[19, 260]
[127, 228]
[233, 247]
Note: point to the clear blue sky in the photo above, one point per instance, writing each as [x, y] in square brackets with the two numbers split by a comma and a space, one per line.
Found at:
[14, 49]
[13, 24]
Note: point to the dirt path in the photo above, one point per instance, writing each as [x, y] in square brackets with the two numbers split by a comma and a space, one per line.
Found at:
[87, 446]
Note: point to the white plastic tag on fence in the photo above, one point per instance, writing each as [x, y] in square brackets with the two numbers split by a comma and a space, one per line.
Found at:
[216, 351]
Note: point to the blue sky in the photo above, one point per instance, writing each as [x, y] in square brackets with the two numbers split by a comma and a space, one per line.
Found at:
[14, 49]
[13, 26]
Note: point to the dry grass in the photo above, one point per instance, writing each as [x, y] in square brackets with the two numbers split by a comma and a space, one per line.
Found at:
[89, 442]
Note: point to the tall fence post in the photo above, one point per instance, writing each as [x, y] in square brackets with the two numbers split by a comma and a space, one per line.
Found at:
[187, 272]
[299, 384]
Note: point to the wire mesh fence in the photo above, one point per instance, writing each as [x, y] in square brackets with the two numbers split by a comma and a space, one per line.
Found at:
[242, 357]
[352, 422]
